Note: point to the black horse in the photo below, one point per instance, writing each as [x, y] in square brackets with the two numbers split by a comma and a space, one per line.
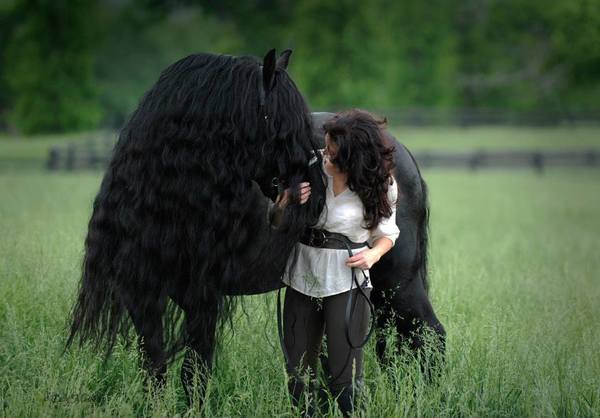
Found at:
[179, 225]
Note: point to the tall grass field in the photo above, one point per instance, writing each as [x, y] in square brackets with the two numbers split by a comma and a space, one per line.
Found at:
[514, 277]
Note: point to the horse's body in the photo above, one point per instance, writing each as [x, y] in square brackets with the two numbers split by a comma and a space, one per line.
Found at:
[179, 225]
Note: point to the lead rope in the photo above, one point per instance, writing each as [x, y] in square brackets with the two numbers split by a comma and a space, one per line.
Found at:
[280, 329]
[350, 308]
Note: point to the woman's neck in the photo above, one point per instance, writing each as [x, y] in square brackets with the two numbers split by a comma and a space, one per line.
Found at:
[333, 171]
[340, 179]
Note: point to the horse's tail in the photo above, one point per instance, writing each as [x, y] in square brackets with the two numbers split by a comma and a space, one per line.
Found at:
[99, 314]
[422, 210]
[423, 236]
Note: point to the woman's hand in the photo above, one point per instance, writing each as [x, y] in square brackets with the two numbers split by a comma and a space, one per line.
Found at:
[304, 193]
[284, 199]
[364, 260]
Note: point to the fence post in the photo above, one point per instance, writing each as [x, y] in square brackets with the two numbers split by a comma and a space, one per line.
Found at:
[424, 159]
[108, 147]
[591, 158]
[70, 163]
[537, 159]
[92, 155]
[475, 160]
[53, 162]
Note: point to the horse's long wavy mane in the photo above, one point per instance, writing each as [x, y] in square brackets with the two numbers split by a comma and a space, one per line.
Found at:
[174, 217]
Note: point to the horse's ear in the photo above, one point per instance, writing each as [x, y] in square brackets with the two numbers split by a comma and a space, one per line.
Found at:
[284, 59]
[268, 72]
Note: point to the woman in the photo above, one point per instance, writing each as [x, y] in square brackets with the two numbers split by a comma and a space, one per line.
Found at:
[333, 259]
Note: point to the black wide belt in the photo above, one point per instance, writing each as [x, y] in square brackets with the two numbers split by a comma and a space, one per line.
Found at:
[321, 238]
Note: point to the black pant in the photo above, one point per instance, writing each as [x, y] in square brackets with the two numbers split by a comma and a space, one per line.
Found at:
[305, 320]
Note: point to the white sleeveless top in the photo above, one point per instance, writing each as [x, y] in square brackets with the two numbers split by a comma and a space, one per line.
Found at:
[321, 272]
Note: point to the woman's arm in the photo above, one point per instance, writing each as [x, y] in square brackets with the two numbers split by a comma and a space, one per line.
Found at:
[384, 236]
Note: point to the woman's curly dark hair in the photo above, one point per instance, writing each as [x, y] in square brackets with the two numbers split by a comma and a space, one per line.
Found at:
[366, 157]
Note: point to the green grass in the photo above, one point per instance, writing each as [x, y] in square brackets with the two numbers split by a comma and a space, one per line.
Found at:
[514, 273]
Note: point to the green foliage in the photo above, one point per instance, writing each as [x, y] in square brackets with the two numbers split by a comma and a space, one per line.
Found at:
[68, 65]
[337, 61]
[529, 54]
[137, 44]
[48, 63]
[6, 27]
[470, 53]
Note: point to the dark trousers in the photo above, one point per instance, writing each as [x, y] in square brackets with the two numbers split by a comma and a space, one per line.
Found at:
[305, 320]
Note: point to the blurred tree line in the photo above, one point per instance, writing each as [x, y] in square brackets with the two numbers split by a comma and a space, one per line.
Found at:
[80, 64]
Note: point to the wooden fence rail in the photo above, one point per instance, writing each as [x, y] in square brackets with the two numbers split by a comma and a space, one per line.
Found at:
[538, 160]
[91, 154]
[479, 116]
[94, 155]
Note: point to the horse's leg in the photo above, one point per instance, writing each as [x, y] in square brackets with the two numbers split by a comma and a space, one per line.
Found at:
[427, 322]
[148, 325]
[407, 309]
[416, 324]
[383, 314]
[200, 326]
[399, 278]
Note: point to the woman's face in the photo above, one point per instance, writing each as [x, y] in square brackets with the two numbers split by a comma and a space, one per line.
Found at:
[331, 149]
